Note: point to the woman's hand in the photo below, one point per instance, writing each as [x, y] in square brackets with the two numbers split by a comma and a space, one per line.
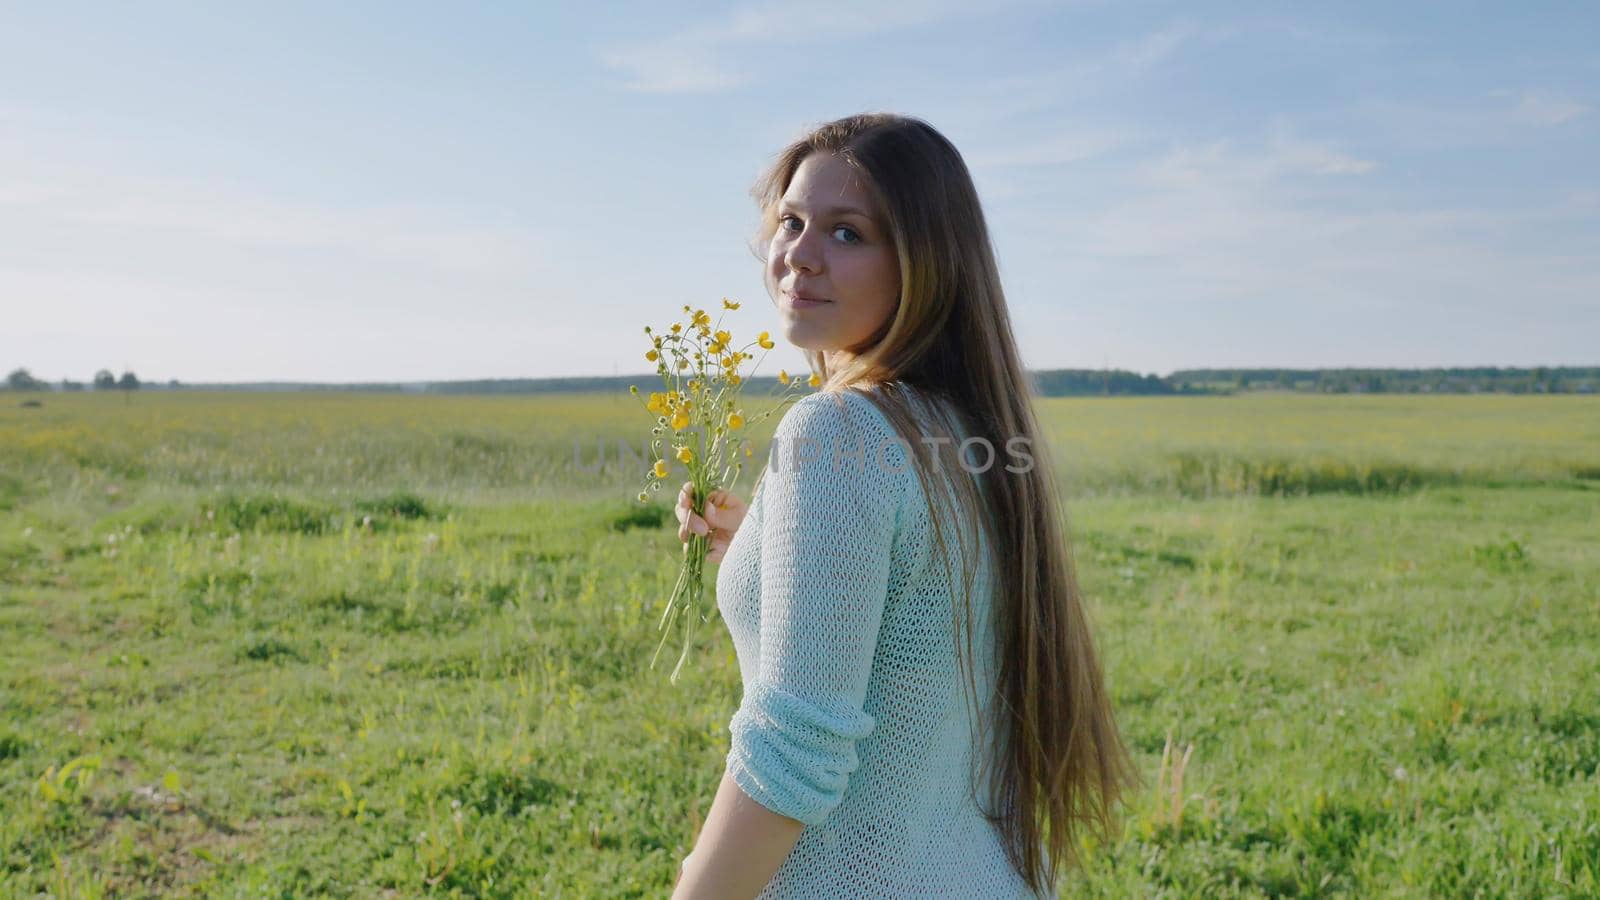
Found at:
[724, 512]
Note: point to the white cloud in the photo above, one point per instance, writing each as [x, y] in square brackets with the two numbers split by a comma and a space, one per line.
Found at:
[1316, 159]
[1500, 117]
[1545, 109]
[1275, 252]
[1063, 148]
[1087, 74]
[670, 69]
[1227, 223]
[51, 194]
[693, 60]
[1221, 162]
[1156, 47]
[176, 271]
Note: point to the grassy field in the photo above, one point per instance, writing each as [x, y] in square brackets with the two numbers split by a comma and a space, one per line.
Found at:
[293, 644]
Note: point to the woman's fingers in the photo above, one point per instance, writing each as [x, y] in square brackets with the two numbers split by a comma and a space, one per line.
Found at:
[688, 522]
[691, 524]
[718, 548]
[724, 511]
[727, 499]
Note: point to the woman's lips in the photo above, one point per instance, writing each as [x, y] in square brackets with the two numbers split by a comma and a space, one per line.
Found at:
[803, 302]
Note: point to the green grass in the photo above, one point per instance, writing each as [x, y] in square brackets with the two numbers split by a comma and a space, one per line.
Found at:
[358, 645]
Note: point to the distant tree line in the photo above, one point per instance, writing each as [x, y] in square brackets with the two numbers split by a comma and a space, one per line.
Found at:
[23, 380]
[1047, 382]
[1058, 382]
[1466, 380]
[1077, 382]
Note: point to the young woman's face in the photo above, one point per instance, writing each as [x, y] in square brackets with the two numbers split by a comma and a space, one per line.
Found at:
[829, 246]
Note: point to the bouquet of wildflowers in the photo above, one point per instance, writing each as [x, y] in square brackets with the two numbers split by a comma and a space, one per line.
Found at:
[699, 422]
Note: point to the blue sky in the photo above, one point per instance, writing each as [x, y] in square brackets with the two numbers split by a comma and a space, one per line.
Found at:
[381, 191]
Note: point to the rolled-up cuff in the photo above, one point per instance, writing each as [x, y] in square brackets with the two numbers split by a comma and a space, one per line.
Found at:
[792, 755]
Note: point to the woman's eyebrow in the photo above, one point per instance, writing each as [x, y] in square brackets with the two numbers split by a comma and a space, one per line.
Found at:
[831, 211]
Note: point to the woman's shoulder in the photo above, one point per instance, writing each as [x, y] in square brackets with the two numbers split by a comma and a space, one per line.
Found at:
[841, 438]
[833, 412]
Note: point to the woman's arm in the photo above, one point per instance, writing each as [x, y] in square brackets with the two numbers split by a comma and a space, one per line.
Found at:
[826, 541]
[739, 849]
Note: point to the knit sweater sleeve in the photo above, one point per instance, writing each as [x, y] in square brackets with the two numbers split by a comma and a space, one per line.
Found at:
[833, 490]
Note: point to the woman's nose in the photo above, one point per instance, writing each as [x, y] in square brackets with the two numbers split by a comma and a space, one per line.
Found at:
[801, 256]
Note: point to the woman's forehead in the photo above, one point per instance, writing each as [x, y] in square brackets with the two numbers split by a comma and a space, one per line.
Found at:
[831, 188]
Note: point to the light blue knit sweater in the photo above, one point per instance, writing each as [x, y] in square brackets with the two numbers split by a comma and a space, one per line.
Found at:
[853, 718]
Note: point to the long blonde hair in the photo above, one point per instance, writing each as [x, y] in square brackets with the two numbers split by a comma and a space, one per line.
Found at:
[1059, 764]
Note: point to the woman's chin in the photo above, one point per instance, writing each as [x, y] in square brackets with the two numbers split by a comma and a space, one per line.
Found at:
[804, 339]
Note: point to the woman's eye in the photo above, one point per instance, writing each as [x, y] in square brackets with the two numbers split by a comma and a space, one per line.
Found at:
[854, 238]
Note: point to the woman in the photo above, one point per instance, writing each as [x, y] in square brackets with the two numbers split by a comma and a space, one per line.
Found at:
[884, 665]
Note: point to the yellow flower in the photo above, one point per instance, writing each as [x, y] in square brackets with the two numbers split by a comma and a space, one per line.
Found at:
[657, 404]
[729, 304]
[814, 381]
[661, 468]
[783, 376]
[694, 384]
[676, 328]
[765, 341]
[652, 356]
[701, 317]
[735, 420]
[715, 348]
[733, 378]
[723, 337]
[685, 455]
[730, 361]
[680, 421]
